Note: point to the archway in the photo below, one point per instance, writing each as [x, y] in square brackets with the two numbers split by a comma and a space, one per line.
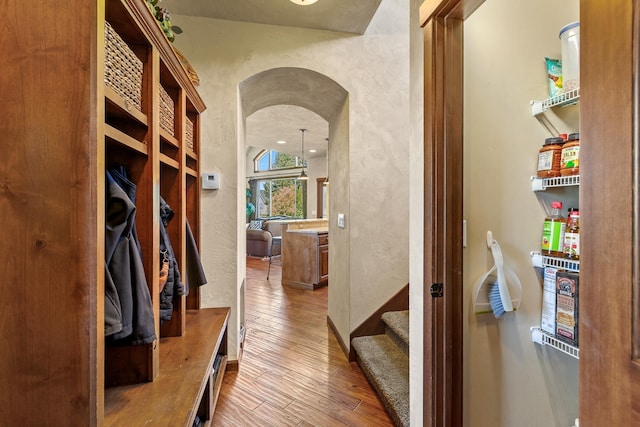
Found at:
[323, 96]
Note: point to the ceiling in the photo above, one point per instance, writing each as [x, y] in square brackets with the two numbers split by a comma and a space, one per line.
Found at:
[347, 16]
[283, 122]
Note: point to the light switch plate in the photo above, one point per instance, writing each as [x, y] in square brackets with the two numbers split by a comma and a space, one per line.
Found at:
[341, 220]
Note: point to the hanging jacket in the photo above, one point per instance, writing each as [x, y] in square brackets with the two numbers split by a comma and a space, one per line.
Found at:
[129, 315]
[173, 286]
[195, 273]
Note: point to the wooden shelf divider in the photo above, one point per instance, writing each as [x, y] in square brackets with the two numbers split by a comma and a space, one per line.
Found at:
[124, 106]
[118, 136]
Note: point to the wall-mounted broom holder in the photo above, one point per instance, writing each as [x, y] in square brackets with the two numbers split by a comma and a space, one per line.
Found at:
[511, 290]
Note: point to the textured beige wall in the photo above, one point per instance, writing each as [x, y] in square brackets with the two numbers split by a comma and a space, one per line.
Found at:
[416, 207]
[379, 126]
[508, 380]
[374, 70]
[339, 196]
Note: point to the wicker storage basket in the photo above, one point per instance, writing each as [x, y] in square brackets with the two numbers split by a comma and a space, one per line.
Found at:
[189, 134]
[122, 68]
[167, 108]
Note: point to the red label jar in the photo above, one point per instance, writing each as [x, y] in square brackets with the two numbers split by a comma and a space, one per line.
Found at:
[549, 158]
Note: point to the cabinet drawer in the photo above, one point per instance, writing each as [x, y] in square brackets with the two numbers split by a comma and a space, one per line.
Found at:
[323, 239]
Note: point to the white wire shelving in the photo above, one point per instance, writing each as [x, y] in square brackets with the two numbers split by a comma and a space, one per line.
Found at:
[538, 335]
[563, 100]
[541, 337]
[541, 184]
[538, 260]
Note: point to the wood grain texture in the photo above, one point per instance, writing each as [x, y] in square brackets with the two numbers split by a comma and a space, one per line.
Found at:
[293, 370]
[443, 31]
[305, 259]
[609, 378]
[50, 271]
[185, 362]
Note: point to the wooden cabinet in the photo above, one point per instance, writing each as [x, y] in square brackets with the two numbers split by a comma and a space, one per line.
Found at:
[305, 257]
[323, 257]
[63, 127]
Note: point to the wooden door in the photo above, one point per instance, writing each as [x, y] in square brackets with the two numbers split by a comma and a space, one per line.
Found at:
[442, 22]
[609, 271]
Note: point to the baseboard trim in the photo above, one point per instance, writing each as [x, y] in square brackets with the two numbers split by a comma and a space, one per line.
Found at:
[233, 365]
[334, 330]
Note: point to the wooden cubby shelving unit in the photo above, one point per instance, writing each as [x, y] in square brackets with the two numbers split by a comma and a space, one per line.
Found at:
[62, 128]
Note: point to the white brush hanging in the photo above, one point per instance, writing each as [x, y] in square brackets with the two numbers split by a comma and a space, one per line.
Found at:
[500, 275]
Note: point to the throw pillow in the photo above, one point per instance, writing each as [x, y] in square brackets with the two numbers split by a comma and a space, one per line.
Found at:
[255, 225]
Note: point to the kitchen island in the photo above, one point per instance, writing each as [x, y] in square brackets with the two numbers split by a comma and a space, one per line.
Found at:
[305, 255]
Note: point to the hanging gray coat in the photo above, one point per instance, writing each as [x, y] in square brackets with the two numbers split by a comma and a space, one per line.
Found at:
[173, 286]
[129, 315]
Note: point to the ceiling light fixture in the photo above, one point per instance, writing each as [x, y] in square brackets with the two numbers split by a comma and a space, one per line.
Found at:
[303, 175]
[281, 142]
[303, 2]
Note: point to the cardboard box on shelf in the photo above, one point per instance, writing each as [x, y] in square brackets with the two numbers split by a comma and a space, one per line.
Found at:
[567, 307]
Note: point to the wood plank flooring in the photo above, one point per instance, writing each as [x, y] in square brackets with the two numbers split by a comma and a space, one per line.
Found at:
[293, 371]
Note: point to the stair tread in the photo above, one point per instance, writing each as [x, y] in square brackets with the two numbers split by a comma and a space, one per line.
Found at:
[387, 368]
[398, 322]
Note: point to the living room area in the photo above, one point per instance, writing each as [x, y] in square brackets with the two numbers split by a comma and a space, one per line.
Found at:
[287, 190]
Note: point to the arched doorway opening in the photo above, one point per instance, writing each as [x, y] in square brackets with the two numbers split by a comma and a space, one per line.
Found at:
[323, 96]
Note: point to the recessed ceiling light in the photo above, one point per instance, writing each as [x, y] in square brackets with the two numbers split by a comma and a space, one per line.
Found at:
[312, 151]
[281, 142]
[304, 2]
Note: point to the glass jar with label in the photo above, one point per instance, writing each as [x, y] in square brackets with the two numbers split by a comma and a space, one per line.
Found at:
[549, 158]
[570, 162]
[553, 232]
[571, 248]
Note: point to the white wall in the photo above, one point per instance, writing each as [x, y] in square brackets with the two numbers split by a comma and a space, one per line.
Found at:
[508, 380]
[374, 70]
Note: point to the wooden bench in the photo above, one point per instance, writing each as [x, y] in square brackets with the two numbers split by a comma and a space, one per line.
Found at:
[188, 385]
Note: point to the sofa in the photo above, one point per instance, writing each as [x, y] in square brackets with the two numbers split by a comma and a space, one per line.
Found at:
[261, 231]
[259, 243]
[260, 239]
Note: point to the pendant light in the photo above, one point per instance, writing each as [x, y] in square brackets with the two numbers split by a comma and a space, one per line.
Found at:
[326, 181]
[303, 175]
[304, 2]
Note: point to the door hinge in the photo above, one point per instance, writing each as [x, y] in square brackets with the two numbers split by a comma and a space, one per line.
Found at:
[436, 290]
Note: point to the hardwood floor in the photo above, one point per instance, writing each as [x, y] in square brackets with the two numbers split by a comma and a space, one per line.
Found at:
[293, 371]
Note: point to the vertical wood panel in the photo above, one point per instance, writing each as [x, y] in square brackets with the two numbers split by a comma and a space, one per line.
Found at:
[443, 23]
[432, 120]
[453, 173]
[606, 373]
[48, 202]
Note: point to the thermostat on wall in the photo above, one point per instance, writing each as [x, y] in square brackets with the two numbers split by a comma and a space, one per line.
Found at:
[210, 180]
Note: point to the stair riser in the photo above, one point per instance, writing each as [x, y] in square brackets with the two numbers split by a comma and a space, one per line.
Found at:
[397, 339]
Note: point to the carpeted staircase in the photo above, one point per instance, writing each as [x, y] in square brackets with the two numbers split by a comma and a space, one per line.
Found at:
[385, 361]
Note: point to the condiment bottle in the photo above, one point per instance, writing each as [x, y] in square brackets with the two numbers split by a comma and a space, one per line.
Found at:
[570, 162]
[553, 232]
[571, 248]
[549, 158]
